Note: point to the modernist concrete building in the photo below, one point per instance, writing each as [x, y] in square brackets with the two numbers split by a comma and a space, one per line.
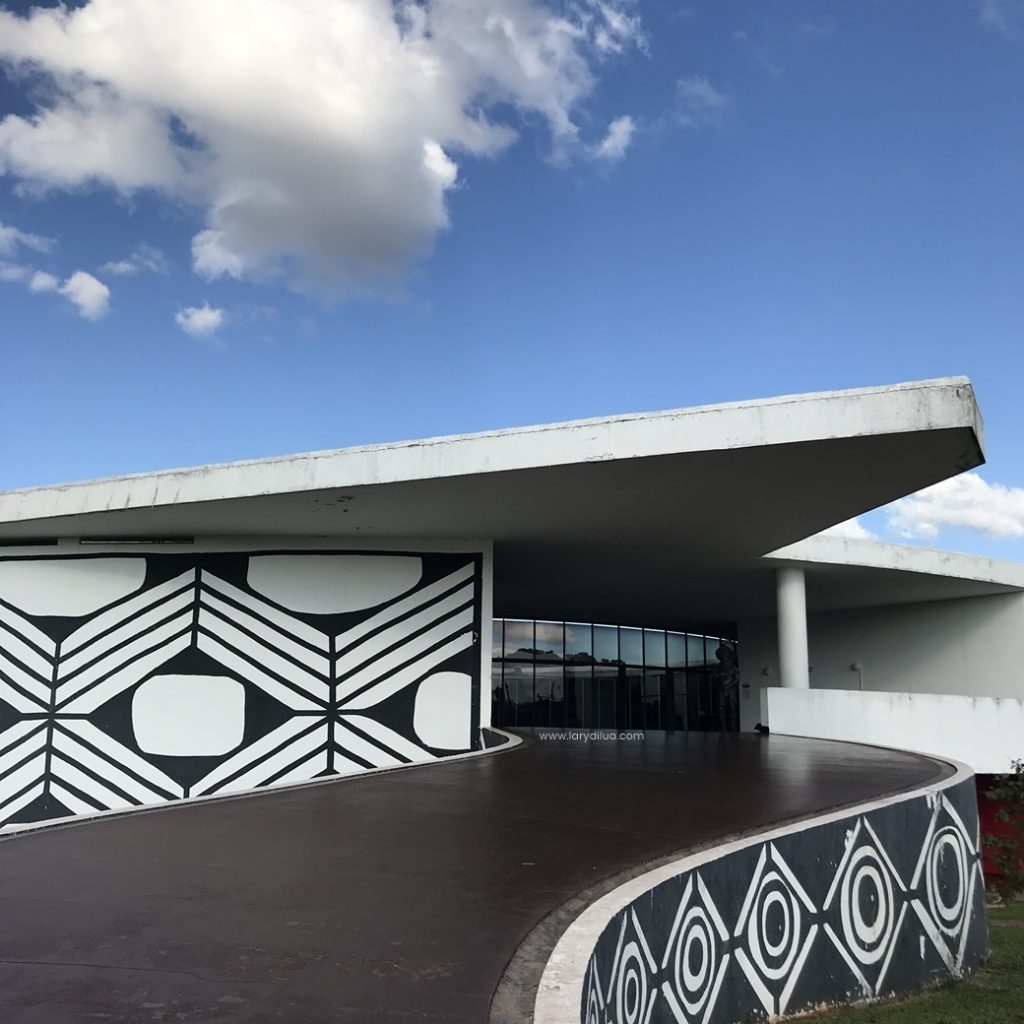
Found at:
[189, 634]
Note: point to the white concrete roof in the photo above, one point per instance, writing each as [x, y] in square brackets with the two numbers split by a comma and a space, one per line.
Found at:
[654, 518]
[847, 573]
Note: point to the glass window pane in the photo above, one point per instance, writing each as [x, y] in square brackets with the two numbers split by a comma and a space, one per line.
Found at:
[676, 649]
[631, 645]
[548, 641]
[606, 644]
[518, 638]
[496, 629]
[654, 648]
[694, 651]
[580, 697]
[578, 643]
[607, 696]
[518, 686]
[654, 683]
[633, 691]
[549, 708]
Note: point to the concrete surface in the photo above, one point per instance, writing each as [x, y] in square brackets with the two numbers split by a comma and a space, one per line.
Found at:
[398, 897]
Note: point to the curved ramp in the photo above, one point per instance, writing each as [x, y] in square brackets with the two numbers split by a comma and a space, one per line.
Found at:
[395, 897]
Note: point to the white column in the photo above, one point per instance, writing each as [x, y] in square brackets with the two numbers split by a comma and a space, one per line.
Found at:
[791, 610]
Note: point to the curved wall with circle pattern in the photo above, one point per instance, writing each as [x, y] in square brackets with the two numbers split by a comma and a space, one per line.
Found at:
[878, 902]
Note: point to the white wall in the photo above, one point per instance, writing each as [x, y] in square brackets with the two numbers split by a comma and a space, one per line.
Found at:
[983, 732]
[972, 646]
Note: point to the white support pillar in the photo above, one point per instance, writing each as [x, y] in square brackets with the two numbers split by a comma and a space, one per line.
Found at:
[791, 610]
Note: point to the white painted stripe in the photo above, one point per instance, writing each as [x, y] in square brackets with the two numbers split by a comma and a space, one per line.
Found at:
[89, 701]
[406, 652]
[13, 697]
[18, 780]
[17, 624]
[250, 754]
[407, 604]
[396, 741]
[285, 622]
[353, 744]
[259, 773]
[73, 776]
[273, 638]
[11, 808]
[229, 659]
[32, 745]
[304, 772]
[137, 627]
[89, 733]
[73, 803]
[34, 667]
[121, 658]
[124, 612]
[110, 774]
[393, 683]
[263, 655]
[371, 649]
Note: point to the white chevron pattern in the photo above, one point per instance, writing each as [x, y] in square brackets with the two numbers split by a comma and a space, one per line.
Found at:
[330, 685]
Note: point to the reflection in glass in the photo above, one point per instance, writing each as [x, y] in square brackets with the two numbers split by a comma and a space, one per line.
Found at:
[580, 697]
[654, 647]
[606, 643]
[548, 641]
[676, 649]
[578, 675]
[518, 638]
[579, 645]
[695, 651]
[631, 645]
[549, 707]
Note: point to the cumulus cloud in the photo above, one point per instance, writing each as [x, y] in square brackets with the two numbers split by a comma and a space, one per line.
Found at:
[89, 295]
[614, 145]
[41, 281]
[698, 102]
[199, 321]
[12, 238]
[967, 501]
[320, 138]
[851, 529]
[145, 259]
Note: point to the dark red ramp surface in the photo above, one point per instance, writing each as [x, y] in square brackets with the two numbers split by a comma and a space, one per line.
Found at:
[397, 897]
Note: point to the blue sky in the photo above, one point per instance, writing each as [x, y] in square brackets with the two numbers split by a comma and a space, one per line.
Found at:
[354, 222]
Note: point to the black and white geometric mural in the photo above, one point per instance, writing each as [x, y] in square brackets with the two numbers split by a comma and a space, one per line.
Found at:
[132, 680]
[874, 905]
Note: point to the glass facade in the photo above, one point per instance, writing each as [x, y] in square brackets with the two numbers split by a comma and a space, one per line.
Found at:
[588, 676]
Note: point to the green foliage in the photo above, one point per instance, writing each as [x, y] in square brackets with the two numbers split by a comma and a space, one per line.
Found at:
[1006, 851]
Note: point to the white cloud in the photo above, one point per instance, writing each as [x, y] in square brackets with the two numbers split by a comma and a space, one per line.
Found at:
[851, 529]
[966, 501]
[698, 102]
[89, 295]
[146, 258]
[614, 145]
[1001, 16]
[41, 281]
[318, 137]
[199, 321]
[12, 238]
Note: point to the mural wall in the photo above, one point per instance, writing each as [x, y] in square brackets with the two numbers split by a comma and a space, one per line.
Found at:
[130, 680]
[872, 905]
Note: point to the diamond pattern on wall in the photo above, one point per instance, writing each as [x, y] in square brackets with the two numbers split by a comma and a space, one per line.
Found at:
[743, 937]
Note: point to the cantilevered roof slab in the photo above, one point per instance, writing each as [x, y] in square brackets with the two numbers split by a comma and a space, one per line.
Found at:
[844, 574]
[654, 518]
